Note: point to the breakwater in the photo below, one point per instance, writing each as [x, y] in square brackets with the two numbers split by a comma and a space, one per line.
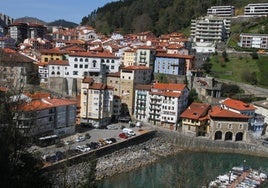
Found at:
[149, 148]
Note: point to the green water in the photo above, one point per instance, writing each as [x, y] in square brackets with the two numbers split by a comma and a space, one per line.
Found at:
[184, 170]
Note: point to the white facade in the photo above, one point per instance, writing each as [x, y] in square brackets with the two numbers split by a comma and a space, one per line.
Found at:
[253, 41]
[210, 29]
[222, 11]
[256, 9]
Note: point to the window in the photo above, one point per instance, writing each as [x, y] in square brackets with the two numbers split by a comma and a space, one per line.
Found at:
[75, 59]
[80, 66]
[46, 59]
[75, 72]
[112, 61]
[52, 72]
[81, 60]
[58, 73]
[230, 126]
[94, 62]
[112, 67]
[86, 66]
[75, 66]
[86, 60]
[218, 125]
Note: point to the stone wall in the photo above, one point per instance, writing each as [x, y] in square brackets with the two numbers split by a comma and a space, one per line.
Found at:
[133, 154]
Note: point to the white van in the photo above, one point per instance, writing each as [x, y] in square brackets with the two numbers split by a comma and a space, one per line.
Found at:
[129, 132]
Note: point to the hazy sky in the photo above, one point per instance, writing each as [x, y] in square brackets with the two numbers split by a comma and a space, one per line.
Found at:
[51, 10]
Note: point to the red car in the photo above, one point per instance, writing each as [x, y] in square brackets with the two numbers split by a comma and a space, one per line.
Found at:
[123, 135]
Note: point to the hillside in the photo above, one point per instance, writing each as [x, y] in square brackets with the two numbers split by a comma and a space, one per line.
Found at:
[31, 20]
[63, 23]
[158, 16]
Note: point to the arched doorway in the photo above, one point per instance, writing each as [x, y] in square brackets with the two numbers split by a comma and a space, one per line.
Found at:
[218, 135]
[228, 135]
[239, 136]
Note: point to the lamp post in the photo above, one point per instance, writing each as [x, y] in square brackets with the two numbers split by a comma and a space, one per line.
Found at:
[244, 165]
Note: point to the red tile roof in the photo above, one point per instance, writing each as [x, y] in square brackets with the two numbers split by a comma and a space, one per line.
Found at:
[11, 56]
[169, 86]
[41, 104]
[197, 111]
[238, 105]
[59, 62]
[219, 112]
[94, 54]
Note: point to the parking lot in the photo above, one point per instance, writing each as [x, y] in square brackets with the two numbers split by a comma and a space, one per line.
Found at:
[95, 135]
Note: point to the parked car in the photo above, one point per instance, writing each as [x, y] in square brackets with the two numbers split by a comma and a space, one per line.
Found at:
[83, 148]
[80, 138]
[129, 132]
[102, 142]
[108, 141]
[112, 139]
[123, 135]
[93, 145]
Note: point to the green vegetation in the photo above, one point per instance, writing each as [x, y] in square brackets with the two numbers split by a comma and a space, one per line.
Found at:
[158, 16]
[241, 68]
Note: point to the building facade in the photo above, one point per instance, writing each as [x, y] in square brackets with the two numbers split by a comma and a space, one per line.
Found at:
[210, 29]
[253, 41]
[221, 11]
[228, 125]
[195, 119]
[47, 116]
[96, 103]
[256, 9]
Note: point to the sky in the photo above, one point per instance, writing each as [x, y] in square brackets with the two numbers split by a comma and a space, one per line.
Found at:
[51, 10]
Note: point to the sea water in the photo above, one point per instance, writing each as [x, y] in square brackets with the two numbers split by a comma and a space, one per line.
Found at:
[187, 169]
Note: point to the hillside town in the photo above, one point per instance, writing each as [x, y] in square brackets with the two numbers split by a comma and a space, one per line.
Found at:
[69, 78]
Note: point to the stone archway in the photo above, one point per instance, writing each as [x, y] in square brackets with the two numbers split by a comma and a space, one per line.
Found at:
[218, 135]
[228, 136]
[239, 136]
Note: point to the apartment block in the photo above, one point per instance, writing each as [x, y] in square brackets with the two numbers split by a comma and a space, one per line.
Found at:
[256, 9]
[167, 101]
[221, 11]
[210, 29]
[253, 41]
[96, 103]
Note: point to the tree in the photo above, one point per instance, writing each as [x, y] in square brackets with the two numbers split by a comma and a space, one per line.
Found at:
[193, 97]
[18, 167]
[207, 67]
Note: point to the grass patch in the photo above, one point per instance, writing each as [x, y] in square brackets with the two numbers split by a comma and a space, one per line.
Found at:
[241, 68]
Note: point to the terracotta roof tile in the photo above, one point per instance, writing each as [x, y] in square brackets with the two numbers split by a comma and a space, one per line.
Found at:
[169, 86]
[197, 111]
[58, 62]
[238, 105]
[217, 111]
[41, 104]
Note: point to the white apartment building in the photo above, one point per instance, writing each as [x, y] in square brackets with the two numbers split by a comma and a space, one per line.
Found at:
[96, 103]
[256, 9]
[161, 104]
[221, 11]
[253, 41]
[210, 29]
[57, 68]
[141, 110]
